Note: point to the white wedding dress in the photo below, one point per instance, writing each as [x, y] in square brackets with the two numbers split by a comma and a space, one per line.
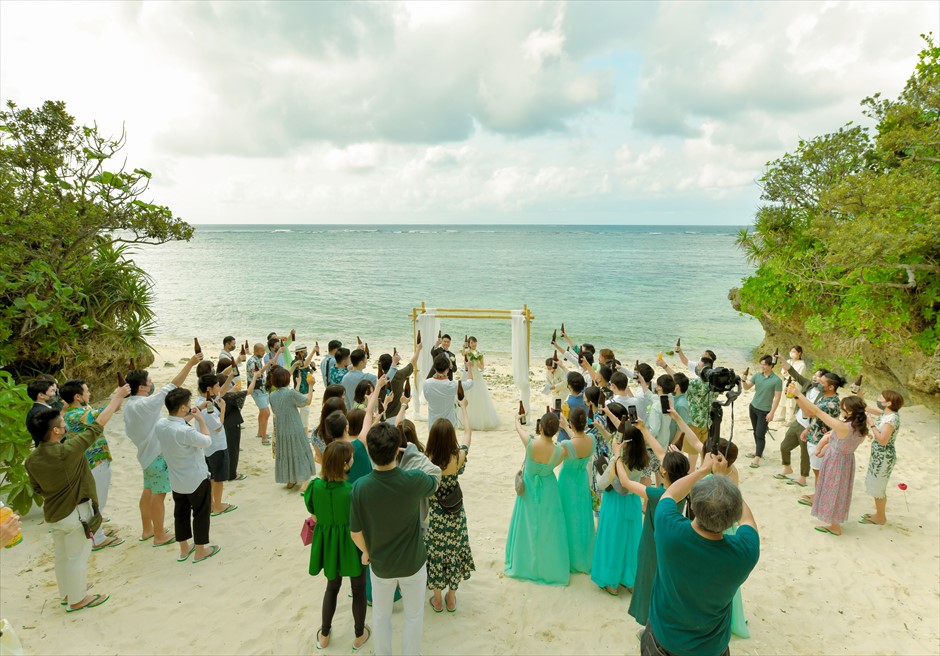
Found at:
[480, 406]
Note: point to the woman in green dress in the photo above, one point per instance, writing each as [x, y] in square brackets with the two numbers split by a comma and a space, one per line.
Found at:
[450, 560]
[332, 550]
[574, 487]
[293, 458]
[537, 544]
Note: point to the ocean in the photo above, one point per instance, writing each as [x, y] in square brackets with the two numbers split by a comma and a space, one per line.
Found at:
[634, 289]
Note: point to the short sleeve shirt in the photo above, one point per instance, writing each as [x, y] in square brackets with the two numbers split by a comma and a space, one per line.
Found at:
[764, 389]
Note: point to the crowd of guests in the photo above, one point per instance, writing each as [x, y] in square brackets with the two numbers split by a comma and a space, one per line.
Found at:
[608, 471]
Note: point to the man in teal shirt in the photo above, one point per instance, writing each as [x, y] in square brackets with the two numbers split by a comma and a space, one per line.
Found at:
[698, 568]
[767, 390]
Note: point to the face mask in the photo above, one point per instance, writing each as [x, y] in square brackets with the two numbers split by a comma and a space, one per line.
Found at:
[881, 406]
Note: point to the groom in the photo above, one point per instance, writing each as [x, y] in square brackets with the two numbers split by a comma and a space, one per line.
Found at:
[442, 347]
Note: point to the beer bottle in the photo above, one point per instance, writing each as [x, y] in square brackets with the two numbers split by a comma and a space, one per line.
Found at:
[562, 328]
[243, 350]
[746, 372]
[776, 356]
[678, 343]
[293, 334]
[133, 365]
[554, 336]
[438, 335]
[522, 418]
[459, 390]
[246, 345]
[196, 348]
[394, 351]
[418, 338]
[121, 381]
[316, 348]
[210, 405]
[636, 367]
[367, 350]
[857, 385]
[407, 389]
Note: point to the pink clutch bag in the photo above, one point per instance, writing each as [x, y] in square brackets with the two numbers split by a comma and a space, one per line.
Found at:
[306, 533]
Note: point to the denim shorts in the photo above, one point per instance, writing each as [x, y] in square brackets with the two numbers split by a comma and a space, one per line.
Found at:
[156, 477]
[261, 399]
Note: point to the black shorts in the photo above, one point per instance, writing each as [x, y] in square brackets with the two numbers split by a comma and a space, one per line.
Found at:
[219, 466]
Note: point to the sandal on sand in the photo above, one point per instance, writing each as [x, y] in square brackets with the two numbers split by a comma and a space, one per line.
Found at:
[97, 600]
[240, 477]
[825, 529]
[782, 477]
[435, 608]
[320, 635]
[451, 610]
[868, 520]
[613, 592]
[169, 540]
[149, 537]
[804, 502]
[183, 559]
[265, 441]
[110, 542]
[228, 508]
[368, 634]
[215, 549]
[65, 602]
[796, 482]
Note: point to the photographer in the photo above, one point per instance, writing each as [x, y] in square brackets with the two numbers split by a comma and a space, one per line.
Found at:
[767, 390]
[699, 569]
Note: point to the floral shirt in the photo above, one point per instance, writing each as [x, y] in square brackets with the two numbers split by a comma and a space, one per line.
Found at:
[75, 421]
[253, 364]
[301, 372]
[698, 402]
[336, 375]
[817, 427]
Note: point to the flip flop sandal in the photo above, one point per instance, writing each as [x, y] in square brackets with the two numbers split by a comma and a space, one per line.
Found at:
[149, 537]
[804, 502]
[436, 610]
[797, 483]
[451, 610]
[317, 643]
[110, 532]
[110, 542]
[97, 600]
[368, 635]
[183, 559]
[169, 540]
[215, 549]
[65, 602]
[867, 520]
[754, 466]
[228, 508]
[606, 589]
[782, 477]
[240, 477]
[823, 529]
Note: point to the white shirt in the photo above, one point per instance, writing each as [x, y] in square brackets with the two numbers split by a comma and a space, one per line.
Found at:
[183, 451]
[141, 414]
[225, 355]
[643, 398]
[441, 396]
[216, 431]
[811, 396]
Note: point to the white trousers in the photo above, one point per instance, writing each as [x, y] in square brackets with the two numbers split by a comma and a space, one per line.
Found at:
[102, 476]
[412, 593]
[72, 549]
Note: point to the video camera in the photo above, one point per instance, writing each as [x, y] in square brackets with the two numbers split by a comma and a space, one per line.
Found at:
[721, 380]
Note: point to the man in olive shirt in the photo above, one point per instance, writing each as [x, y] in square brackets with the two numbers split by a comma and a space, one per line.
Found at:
[767, 389]
[59, 473]
[385, 523]
[397, 382]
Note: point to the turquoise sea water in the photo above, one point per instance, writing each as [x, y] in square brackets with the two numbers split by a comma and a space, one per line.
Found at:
[631, 288]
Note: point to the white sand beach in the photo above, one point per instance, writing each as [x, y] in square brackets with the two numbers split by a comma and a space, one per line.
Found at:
[874, 590]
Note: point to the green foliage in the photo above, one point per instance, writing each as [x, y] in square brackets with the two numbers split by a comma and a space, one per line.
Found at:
[72, 301]
[848, 240]
[15, 445]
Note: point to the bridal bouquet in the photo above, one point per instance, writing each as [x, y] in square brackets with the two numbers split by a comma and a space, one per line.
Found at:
[474, 355]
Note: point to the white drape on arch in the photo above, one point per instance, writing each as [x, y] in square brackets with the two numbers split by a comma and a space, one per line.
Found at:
[520, 358]
[428, 325]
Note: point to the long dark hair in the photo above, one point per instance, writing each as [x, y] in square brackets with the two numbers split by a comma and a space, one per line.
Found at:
[442, 443]
[634, 454]
[329, 406]
[854, 409]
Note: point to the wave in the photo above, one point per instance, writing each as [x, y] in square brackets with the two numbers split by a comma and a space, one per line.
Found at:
[282, 230]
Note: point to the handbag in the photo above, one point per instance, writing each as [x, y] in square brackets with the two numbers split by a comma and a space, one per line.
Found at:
[452, 502]
[520, 482]
[93, 523]
[306, 533]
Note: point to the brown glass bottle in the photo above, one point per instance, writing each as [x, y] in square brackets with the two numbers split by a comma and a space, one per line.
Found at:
[196, 348]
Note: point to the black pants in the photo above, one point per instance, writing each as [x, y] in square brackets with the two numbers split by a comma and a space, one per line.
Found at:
[197, 504]
[649, 645]
[759, 424]
[358, 602]
[233, 437]
[790, 442]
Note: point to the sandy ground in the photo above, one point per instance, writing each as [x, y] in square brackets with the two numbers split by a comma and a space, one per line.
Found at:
[874, 590]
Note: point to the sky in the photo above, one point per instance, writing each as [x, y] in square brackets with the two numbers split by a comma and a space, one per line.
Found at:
[460, 112]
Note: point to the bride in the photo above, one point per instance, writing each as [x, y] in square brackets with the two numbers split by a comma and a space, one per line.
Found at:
[480, 406]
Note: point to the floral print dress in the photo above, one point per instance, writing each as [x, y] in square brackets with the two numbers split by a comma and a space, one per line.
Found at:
[450, 560]
[883, 458]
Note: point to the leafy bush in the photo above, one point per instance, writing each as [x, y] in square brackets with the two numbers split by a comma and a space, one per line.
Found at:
[15, 445]
[848, 241]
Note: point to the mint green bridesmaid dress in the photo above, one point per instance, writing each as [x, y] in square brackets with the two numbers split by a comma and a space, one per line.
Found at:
[574, 486]
[537, 544]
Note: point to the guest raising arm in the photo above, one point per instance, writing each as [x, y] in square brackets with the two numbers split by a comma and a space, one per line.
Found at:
[884, 430]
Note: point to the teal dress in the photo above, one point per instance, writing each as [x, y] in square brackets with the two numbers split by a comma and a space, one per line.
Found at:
[646, 559]
[618, 537]
[574, 487]
[738, 621]
[537, 544]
